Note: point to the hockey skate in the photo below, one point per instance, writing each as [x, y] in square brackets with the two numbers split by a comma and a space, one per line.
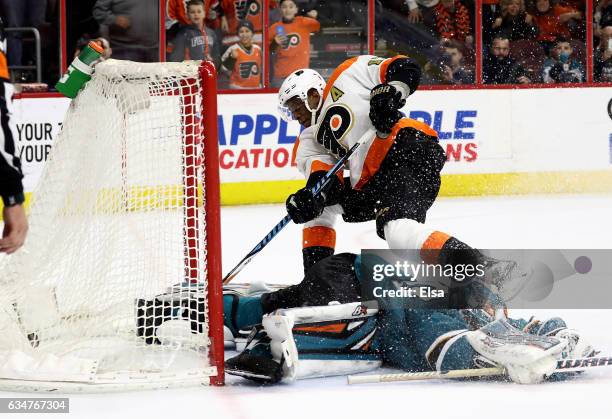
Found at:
[255, 362]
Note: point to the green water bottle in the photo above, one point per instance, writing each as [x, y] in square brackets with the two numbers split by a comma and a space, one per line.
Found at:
[80, 70]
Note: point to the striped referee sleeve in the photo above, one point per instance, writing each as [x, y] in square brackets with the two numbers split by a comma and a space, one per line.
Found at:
[11, 187]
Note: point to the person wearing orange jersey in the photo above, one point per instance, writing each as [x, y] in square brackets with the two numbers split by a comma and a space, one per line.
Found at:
[11, 186]
[290, 40]
[553, 21]
[242, 61]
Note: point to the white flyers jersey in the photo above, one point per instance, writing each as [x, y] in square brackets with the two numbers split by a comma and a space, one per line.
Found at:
[343, 120]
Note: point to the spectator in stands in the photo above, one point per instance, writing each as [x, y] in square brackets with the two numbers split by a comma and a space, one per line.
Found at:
[20, 13]
[82, 43]
[131, 26]
[603, 56]
[454, 68]
[305, 8]
[242, 61]
[396, 36]
[490, 11]
[176, 16]
[553, 21]
[195, 41]
[422, 11]
[561, 67]
[499, 67]
[289, 39]
[602, 16]
[11, 186]
[514, 22]
[232, 12]
[453, 21]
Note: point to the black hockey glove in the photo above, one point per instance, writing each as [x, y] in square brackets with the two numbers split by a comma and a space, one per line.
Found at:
[385, 102]
[302, 206]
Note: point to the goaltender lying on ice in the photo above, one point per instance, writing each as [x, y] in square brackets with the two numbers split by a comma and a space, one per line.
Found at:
[323, 327]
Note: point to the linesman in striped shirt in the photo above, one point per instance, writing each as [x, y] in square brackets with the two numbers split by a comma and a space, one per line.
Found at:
[11, 187]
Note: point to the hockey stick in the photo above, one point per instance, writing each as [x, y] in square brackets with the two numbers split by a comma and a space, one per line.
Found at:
[563, 366]
[315, 191]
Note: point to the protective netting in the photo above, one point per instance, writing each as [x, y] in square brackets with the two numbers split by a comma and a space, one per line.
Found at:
[110, 288]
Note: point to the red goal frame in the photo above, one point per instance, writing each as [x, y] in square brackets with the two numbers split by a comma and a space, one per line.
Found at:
[204, 132]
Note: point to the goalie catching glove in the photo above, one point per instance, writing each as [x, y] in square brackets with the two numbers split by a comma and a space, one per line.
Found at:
[302, 206]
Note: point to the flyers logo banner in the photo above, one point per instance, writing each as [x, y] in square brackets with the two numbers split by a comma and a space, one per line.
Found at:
[336, 122]
[245, 8]
[248, 68]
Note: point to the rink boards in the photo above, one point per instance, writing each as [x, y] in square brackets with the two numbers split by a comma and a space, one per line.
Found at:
[498, 141]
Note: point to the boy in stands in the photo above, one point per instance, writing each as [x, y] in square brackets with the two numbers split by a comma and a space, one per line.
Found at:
[194, 41]
[176, 16]
[561, 66]
[242, 61]
[290, 40]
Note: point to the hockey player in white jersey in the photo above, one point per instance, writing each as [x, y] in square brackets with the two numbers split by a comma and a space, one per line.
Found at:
[394, 176]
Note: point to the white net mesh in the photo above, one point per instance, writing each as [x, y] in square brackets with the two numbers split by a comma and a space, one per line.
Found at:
[110, 287]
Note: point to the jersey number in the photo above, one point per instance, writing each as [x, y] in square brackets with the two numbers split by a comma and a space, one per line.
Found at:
[336, 122]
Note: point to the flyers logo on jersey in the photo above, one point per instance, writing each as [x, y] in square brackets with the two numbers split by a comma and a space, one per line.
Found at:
[293, 39]
[245, 8]
[336, 122]
[248, 68]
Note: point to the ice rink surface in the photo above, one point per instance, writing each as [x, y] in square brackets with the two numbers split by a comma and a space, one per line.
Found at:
[557, 222]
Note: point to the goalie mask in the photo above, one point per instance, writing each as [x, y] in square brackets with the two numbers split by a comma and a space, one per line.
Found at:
[297, 84]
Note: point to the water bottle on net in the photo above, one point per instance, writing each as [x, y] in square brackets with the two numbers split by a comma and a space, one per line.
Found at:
[80, 70]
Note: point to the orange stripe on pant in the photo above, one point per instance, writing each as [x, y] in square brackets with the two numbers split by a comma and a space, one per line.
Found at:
[319, 236]
[430, 250]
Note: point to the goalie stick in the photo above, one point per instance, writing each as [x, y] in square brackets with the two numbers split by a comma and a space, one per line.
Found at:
[286, 219]
[563, 366]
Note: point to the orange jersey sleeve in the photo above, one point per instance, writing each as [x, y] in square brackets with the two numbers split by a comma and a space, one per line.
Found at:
[4, 73]
[311, 24]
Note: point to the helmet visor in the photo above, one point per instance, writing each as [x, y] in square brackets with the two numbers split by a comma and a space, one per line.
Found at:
[286, 113]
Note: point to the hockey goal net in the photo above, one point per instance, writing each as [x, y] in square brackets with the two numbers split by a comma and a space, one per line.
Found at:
[118, 284]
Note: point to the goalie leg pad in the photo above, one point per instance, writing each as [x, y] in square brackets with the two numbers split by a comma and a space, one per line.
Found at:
[324, 340]
[527, 358]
